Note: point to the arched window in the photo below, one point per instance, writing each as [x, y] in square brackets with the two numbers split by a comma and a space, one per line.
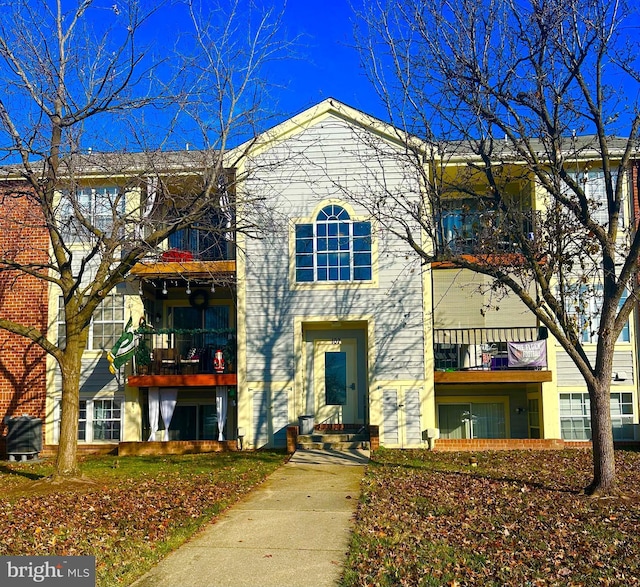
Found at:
[333, 248]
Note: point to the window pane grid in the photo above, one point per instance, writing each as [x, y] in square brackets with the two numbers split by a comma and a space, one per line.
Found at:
[334, 248]
[586, 307]
[108, 322]
[106, 420]
[62, 331]
[99, 206]
[82, 421]
[575, 416]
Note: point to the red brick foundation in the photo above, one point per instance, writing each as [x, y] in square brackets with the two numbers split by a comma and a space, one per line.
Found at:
[175, 447]
[292, 438]
[51, 450]
[480, 444]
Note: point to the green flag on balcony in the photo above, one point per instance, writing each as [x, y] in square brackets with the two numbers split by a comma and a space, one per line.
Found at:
[124, 348]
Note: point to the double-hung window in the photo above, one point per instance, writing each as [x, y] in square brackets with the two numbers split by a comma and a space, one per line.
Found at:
[586, 306]
[333, 248]
[575, 416]
[106, 326]
[96, 207]
[100, 420]
[594, 187]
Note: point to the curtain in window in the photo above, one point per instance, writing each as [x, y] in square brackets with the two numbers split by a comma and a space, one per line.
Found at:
[100, 415]
[152, 196]
[451, 221]
[453, 420]
[154, 403]
[488, 421]
[168, 400]
[221, 408]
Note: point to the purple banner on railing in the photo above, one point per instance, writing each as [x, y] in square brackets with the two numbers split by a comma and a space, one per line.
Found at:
[527, 354]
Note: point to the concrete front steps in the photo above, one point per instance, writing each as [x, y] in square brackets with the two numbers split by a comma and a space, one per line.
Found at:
[334, 440]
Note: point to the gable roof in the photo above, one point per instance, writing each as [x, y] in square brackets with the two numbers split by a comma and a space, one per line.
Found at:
[321, 111]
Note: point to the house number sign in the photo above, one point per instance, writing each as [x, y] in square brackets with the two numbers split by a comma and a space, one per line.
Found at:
[336, 341]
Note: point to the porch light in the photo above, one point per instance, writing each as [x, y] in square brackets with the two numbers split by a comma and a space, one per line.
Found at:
[164, 288]
[213, 287]
[188, 289]
[140, 288]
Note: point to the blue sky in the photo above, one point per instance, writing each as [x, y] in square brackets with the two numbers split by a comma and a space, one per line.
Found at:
[323, 63]
[329, 65]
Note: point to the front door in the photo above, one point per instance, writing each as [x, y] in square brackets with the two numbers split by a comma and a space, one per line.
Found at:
[335, 381]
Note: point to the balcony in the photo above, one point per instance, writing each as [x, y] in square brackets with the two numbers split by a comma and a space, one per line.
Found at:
[194, 244]
[174, 357]
[474, 232]
[192, 253]
[501, 355]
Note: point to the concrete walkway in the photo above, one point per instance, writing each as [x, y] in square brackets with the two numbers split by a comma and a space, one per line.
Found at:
[292, 531]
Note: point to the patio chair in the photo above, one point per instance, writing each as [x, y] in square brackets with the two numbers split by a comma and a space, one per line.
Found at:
[191, 362]
[166, 361]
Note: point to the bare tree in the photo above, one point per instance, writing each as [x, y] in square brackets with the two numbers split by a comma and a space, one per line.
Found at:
[525, 111]
[76, 75]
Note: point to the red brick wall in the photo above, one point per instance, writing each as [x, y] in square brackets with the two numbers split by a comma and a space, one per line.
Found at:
[479, 444]
[175, 447]
[23, 299]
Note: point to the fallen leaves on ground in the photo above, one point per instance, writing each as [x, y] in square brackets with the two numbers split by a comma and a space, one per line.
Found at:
[517, 518]
[124, 517]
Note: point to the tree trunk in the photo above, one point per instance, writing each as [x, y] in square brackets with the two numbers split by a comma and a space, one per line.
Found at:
[70, 366]
[604, 466]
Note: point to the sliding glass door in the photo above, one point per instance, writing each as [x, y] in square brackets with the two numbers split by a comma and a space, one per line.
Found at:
[472, 420]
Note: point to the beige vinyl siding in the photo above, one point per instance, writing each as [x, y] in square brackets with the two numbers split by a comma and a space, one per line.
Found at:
[94, 378]
[463, 299]
[569, 376]
[309, 169]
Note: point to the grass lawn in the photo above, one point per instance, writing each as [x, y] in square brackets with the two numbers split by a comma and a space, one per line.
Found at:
[517, 518]
[135, 512]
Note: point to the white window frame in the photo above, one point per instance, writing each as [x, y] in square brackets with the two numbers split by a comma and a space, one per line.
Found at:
[591, 313]
[87, 419]
[622, 413]
[594, 188]
[346, 246]
[117, 324]
[91, 203]
[579, 412]
[113, 405]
